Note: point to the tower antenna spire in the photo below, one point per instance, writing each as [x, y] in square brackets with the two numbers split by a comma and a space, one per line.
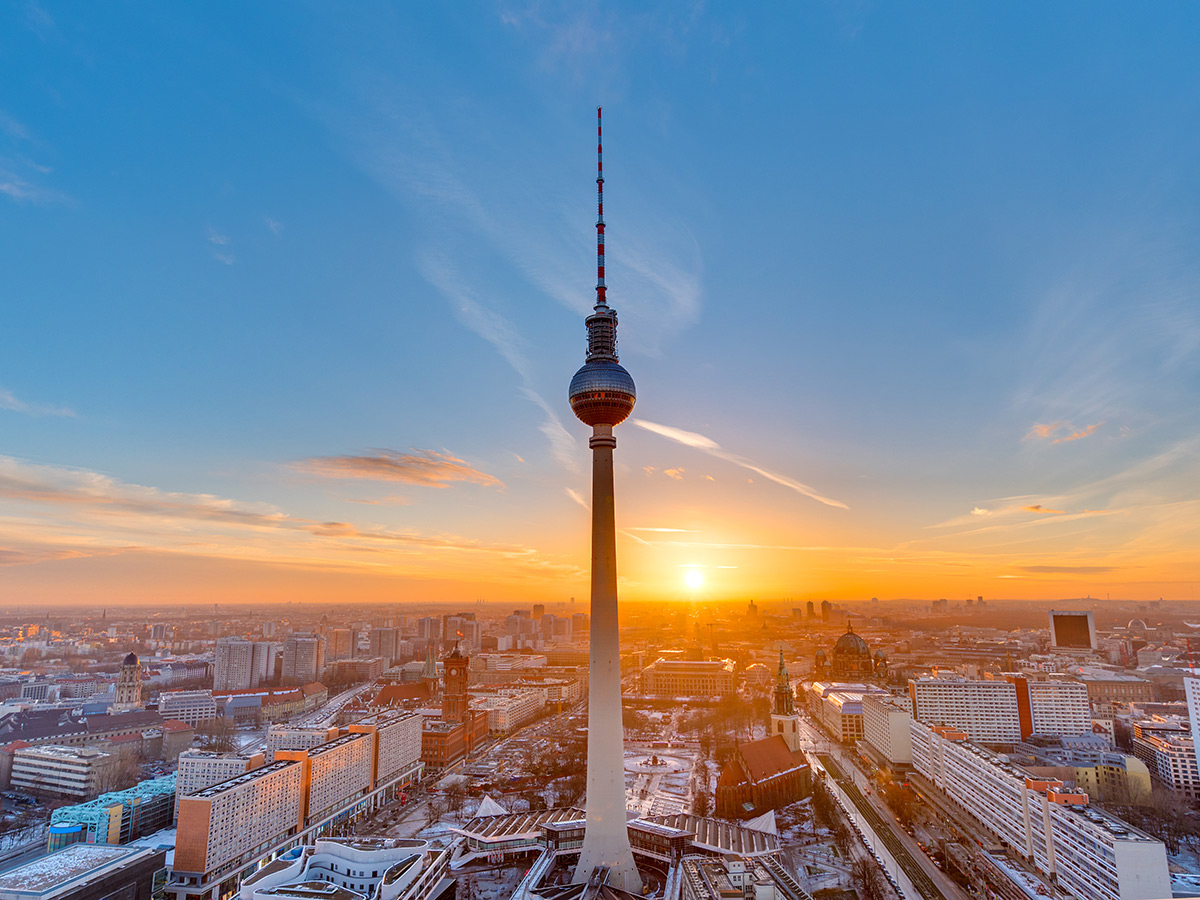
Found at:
[601, 290]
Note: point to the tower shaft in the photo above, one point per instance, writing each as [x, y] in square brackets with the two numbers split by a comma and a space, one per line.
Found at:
[606, 837]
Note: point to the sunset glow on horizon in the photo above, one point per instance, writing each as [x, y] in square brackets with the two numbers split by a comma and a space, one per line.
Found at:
[290, 308]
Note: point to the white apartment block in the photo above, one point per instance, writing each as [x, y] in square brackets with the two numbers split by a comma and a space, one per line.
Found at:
[282, 737]
[233, 666]
[192, 707]
[398, 742]
[508, 662]
[303, 658]
[985, 710]
[335, 771]
[886, 723]
[1171, 760]
[509, 708]
[201, 769]
[227, 824]
[1191, 688]
[78, 773]
[1092, 855]
[1059, 708]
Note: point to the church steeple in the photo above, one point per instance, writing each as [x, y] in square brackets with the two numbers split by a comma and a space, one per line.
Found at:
[785, 700]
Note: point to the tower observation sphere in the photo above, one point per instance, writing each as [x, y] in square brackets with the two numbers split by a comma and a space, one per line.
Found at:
[602, 393]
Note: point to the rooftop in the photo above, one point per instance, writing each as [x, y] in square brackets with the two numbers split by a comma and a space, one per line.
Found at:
[246, 778]
[63, 867]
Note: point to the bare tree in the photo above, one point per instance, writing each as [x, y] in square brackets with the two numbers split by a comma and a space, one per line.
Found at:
[456, 798]
[868, 879]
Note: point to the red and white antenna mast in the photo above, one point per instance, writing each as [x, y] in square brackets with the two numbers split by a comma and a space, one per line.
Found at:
[601, 300]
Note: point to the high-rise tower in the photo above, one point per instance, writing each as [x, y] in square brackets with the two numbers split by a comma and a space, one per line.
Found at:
[602, 395]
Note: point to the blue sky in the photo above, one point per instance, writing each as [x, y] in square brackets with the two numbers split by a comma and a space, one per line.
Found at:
[274, 266]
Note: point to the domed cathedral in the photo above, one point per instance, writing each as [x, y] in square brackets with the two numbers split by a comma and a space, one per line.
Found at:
[851, 661]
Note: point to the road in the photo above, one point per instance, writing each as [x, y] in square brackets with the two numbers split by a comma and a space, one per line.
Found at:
[887, 832]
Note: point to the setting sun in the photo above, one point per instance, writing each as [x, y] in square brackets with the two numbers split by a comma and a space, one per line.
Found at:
[693, 578]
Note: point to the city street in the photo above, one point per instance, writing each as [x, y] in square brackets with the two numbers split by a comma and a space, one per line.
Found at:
[927, 878]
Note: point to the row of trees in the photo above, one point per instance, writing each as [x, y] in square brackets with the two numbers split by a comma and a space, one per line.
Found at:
[1168, 816]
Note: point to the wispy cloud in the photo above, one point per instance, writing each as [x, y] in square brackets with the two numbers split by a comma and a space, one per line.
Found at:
[494, 328]
[1038, 508]
[19, 175]
[476, 210]
[1060, 432]
[20, 189]
[10, 402]
[55, 512]
[664, 530]
[273, 225]
[220, 241]
[427, 468]
[711, 447]
[578, 498]
[11, 127]
[1069, 570]
[1116, 332]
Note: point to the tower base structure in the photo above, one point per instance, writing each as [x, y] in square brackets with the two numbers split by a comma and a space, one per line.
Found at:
[606, 834]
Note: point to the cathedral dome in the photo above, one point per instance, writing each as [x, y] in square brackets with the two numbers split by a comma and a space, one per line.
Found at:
[131, 660]
[850, 644]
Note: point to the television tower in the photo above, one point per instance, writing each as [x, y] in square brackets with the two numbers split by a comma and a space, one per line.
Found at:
[602, 395]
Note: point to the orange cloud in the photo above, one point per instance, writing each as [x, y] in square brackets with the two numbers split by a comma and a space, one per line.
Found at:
[677, 474]
[79, 513]
[426, 468]
[1042, 431]
[1038, 508]
[1076, 435]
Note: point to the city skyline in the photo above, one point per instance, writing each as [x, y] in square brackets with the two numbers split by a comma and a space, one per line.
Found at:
[912, 299]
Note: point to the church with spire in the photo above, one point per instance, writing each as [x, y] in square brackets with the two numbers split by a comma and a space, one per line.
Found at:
[785, 722]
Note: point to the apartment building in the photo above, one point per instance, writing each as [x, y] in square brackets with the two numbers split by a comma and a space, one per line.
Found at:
[241, 665]
[334, 772]
[283, 737]
[510, 708]
[398, 742]
[200, 769]
[300, 796]
[1191, 691]
[1059, 708]
[192, 707]
[985, 710]
[231, 823]
[303, 658]
[886, 721]
[76, 773]
[1170, 755]
[1051, 708]
[384, 643]
[1091, 854]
